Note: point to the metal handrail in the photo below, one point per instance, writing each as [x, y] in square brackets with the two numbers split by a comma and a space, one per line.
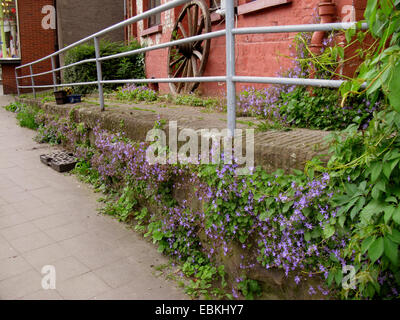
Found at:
[230, 78]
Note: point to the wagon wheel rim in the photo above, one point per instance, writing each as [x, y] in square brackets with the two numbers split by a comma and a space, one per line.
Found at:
[189, 59]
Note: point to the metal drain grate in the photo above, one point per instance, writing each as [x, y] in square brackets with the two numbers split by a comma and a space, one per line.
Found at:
[59, 161]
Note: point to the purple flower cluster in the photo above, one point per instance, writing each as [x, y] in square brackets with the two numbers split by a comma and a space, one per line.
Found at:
[133, 92]
[233, 212]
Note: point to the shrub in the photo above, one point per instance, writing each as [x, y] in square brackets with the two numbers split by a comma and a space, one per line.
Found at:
[114, 69]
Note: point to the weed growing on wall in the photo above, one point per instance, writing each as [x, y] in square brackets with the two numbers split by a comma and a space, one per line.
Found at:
[136, 93]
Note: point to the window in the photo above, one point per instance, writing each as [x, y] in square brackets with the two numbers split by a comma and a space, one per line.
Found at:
[155, 19]
[9, 37]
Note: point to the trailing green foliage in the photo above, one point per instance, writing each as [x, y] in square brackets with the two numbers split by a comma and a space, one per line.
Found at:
[195, 101]
[366, 164]
[14, 107]
[26, 115]
[331, 218]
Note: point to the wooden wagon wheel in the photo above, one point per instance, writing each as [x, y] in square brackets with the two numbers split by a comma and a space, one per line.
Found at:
[189, 59]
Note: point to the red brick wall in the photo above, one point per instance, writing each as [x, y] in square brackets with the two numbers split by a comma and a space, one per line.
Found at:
[256, 55]
[35, 42]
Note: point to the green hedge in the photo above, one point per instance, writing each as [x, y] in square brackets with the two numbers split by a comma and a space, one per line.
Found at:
[114, 69]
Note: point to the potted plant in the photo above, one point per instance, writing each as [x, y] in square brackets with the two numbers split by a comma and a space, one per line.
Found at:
[73, 98]
[61, 97]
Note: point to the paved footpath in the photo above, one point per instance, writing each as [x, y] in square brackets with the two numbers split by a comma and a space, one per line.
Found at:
[50, 219]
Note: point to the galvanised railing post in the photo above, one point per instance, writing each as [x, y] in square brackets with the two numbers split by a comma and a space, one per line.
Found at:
[230, 66]
[53, 66]
[99, 73]
[33, 81]
[16, 79]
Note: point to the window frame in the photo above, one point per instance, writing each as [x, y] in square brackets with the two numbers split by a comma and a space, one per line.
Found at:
[5, 60]
[153, 20]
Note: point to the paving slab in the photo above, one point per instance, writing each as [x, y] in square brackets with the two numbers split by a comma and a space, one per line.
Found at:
[51, 219]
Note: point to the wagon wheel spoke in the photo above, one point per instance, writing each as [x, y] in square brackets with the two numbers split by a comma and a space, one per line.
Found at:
[199, 32]
[190, 20]
[195, 20]
[194, 66]
[200, 27]
[189, 71]
[176, 61]
[183, 76]
[179, 70]
[182, 30]
[198, 54]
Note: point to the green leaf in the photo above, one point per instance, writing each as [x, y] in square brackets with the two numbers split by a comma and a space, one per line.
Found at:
[376, 249]
[342, 220]
[157, 235]
[367, 243]
[161, 247]
[329, 231]
[386, 6]
[376, 192]
[388, 213]
[370, 11]
[391, 250]
[376, 169]
[362, 186]
[391, 199]
[243, 238]
[341, 200]
[338, 277]
[381, 185]
[348, 206]
[357, 208]
[394, 92]
[396, 215]
[340, 51]
[351, 189]
[330, 277]
[395, 236]
[373, 207]
[287, 206]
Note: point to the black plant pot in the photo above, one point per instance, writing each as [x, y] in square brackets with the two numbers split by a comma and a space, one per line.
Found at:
[61, 97]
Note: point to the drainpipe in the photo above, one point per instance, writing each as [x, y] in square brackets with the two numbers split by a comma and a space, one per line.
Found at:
[327, 12]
